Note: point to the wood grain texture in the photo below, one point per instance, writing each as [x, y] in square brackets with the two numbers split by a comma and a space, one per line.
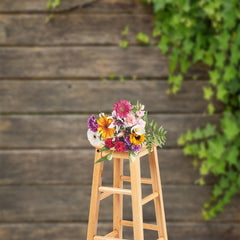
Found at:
[89, 6]
[73, 231]
[72, 29]
[37, 62]
[69, 131]
[71, 203]
[77, 231]
[76, 166]
[87, 96]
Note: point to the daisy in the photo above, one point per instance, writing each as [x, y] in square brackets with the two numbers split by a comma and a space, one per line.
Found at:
[94, 138]
[103, 127]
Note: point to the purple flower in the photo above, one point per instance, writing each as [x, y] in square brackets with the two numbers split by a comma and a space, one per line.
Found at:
[127, 140]
[136, 148]
[126, 148]
[92, 123]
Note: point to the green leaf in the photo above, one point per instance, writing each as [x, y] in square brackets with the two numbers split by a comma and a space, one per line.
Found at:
[189, 136]
[106, 157]
[211, 108]
[104, 148]
[143, 38]
[56, 3]
[223, 40]
[198, 134]
[220, 58]
[163, 44]
[232, 155]
[112, 75]
[214, 77]
[221, 92]
[181, 140]
[209, 130]
[49, 5]
[123, 44]
[216, 147]
[229, 73]
[125, 30]
[229, 126]
[207, 92]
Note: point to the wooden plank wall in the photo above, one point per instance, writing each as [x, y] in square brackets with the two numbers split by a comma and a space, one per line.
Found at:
[49, 84]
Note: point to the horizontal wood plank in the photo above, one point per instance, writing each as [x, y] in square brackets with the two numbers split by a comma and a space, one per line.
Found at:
[72, 29]
[82, 6]
[76, 231]
[71, 203]
[83, 62]
[86, 96]
[69, 131]
[76, 167]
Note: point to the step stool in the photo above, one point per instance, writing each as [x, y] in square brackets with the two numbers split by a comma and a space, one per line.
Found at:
[100, 192]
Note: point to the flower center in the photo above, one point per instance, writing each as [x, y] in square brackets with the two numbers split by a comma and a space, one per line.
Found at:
[106, 126]
[122, 108]
[137, 137]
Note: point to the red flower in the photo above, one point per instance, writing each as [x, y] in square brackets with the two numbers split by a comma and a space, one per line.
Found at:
[120, 147]
[109, 143]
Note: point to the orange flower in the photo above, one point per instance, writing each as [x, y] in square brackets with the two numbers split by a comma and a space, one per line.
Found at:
[103, 127]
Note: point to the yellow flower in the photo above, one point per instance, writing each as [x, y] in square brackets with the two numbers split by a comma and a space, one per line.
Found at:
[137, 139]
[103, 127]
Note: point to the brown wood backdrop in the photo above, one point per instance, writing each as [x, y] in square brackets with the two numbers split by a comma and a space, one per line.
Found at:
[50, 84]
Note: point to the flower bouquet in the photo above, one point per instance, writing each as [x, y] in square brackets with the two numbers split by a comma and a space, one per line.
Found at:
[127, 129]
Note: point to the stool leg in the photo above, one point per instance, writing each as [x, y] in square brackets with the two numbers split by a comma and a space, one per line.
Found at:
[136, 199]
[157, 187]
[117, 198]
[95, 197]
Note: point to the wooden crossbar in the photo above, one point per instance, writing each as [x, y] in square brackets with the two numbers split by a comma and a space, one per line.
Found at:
[143, 180]
[107, 238]
[112, 234]
[145, 225]
[115, 190]
[149, 198]
[105, 195]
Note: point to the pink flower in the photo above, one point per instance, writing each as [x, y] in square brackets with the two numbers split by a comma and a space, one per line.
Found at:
[130, 120]
[140, 113]
[141, 122]
[122, 108]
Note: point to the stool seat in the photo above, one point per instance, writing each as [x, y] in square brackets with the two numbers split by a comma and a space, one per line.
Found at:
[100, 192]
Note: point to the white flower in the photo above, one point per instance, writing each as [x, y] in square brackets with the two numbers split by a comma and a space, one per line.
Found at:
[94, 138]
[138, 129]
[101, 114]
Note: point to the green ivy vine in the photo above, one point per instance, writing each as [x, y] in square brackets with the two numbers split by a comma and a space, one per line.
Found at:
[207, 31]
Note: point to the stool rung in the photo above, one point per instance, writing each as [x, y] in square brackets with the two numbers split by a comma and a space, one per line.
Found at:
[115, 190]
[149, 198]
[105, 195]
[143, 180]
[112, 234]
[145, 225]
[107, 238]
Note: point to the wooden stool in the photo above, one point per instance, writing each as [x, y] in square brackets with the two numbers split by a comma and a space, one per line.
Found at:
[100, 192]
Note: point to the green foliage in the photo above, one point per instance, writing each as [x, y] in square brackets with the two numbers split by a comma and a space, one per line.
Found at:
[123, 44]
[125, 31]
[153, 134]
[207, 31]
[143, 38]
[51, 5]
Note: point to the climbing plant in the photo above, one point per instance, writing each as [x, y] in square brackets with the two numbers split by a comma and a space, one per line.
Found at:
[207, 31]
